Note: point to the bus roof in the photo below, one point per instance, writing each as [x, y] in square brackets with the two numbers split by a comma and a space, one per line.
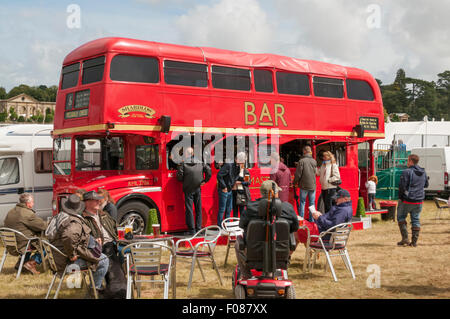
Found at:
[212, 55]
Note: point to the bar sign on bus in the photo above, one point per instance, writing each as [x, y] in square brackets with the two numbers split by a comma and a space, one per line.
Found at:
[369, 123]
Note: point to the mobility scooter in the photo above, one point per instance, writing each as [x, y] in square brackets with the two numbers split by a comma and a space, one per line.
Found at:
[268, 249]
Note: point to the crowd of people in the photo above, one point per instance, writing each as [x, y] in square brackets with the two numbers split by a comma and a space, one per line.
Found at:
[86, 227]
[84, 231]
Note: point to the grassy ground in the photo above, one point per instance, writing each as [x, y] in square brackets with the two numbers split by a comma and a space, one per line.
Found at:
[406, 272]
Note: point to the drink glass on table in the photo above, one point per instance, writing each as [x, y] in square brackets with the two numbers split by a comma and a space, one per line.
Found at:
[156, 230]
[121, 232]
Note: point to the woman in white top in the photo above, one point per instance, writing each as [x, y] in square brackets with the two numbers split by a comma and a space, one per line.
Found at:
[371, 186]
[328, 169]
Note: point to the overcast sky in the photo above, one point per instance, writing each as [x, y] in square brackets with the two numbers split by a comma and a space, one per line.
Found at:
[379, 36]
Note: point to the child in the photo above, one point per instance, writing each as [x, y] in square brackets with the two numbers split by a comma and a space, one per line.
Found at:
[371, 186]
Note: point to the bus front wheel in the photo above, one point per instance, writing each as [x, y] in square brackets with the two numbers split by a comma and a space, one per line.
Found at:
[134, 212]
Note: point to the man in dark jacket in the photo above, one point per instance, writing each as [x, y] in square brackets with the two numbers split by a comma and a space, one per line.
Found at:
[288, 213]
[193, 174]
[23, 218]
[411, 194]
[340, 213]
[305, 177]
[281, 175]
[226, 178]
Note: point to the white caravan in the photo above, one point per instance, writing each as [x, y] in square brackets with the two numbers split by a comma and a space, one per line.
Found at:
[436, 161]
[26, 167]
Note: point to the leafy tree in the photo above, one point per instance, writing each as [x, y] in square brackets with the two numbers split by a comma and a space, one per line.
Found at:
[2, 93]
[3, 116]
[21, 119]
[12, 115]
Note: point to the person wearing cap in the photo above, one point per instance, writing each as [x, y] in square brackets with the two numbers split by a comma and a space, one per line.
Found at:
[104, 229]
[288, 213]
[24, 219]
[341, 212]
[72, 237]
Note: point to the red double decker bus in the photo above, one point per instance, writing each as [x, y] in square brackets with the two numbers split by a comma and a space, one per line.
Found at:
[124, 104]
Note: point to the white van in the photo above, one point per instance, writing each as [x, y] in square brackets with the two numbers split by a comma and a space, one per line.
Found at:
[26, 167]
[436, 161]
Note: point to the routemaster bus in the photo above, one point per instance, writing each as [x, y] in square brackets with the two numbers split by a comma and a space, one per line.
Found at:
[124, 105]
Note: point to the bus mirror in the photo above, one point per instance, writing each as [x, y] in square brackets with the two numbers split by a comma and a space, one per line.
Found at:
[165, 123]
[359, 130]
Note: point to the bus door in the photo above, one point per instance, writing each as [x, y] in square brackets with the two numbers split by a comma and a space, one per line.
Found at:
[11, 183]
[364, 169]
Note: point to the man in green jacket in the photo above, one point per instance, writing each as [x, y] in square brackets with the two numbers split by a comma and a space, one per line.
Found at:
[23, 218]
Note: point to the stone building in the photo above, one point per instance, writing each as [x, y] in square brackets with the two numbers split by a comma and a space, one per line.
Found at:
[25, 106]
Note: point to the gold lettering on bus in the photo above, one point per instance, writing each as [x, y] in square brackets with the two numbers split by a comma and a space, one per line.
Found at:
[125, 110]
[265, 117]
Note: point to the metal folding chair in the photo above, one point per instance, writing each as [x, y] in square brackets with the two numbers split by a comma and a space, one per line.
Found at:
[441, 205]
[231, 227]
[208, 237]
[50, 249]
[144, 259]
[338, 239]
[9, 239]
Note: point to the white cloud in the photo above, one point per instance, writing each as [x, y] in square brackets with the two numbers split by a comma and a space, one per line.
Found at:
[240, 25]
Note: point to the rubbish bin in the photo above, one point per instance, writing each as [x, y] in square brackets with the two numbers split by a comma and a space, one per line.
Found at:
[391, 206]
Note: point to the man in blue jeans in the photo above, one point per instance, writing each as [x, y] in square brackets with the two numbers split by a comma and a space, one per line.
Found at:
[225, 182]
[305, 177]
[411, 194]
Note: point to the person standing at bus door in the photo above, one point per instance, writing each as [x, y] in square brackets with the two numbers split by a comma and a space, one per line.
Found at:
[108, 204]
[328, 169]
[305, 177]
[24, 219]
[281, 175]
[411, 193]
[226, 179]
[241, 186]
[193, 174]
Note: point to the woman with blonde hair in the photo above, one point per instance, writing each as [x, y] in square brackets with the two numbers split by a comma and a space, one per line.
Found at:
[108, 204]
[329, 175]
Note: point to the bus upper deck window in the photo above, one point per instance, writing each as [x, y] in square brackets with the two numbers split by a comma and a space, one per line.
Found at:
[293, 83]
[134, 69]
[93, 70]
[187, 74]
[70, 76]
[328, 87]
[263, 81]
[359, 90]
[230, 78]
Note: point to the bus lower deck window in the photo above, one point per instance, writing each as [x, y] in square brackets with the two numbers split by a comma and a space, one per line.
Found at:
[147, 157]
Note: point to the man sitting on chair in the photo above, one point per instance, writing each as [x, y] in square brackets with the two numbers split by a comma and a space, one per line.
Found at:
[24, 219]
[340, 212]
[288, 213]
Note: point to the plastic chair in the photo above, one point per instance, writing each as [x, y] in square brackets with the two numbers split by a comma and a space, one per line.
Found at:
[9, 239]
[208, 237]
[49, 249]
[441, 205]
[144, 259]
[231, 227]
[338, 238]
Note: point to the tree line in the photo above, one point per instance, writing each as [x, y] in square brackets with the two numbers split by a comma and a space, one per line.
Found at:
[416, 97]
